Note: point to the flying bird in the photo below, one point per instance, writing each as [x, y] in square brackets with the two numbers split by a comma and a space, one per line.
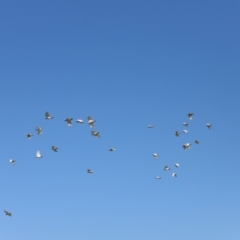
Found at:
[177, 164]
[8, 213]
[190, 115]
[48, 116]
[186, 146]
[69, 121]
[185, 131]
[185, 124]
[177, 134]
[89, 171]
[166, 168]
[196, 141]
[39, 130]
[54, 148]
[157, 177]
[209, 125]
[29, 135]
[38, 154]
[91, 122]
[12, 161]
[174, 175]
[111, 149]
[95, 134]
[79, 121]
[150, 126]
[155, 155]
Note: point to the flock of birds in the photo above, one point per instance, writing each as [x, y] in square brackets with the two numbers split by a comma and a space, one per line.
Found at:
[185, 146]
[94, 133]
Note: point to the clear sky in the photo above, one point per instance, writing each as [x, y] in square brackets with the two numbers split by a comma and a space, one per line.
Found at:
[127, 64]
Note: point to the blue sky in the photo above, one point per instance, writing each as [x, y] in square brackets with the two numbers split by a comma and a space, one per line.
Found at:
[128, 64]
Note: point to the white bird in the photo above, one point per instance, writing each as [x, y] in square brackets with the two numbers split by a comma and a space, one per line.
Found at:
[174, 175]
[12, 161]
[69, 121]
[166, 168]
[54, 148]
[177, 164]
[185, 124]
[38, 154]
[155, 155]
[39, 130]
[79, 121]
[91, 122]
[48, 116]
[209, 125]
[196, 141]
[95, 134]
[185, 131]
[89, 171]
[190, 115]
[111, 149]
[157, 177]
[150, 126]
[8, 213]
[186, 146]
[29, 135]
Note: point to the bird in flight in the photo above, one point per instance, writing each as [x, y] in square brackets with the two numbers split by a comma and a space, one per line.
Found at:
[209, 125]
[111, 149]
[196, 141]
[79, 121]
[155, 155]
[89, 171]
[190, 115]
[177, 164]
[91, 121]
[185, 131]
[177, 134]
[39, 130]
[12, 161]
[38, 154]
[95, 134]
[69, 121]
[150, 126]
[54, 148]
[29, 135]
[185, 124]
[166, 168]
[157, 177]
[174, 175]
[8, 213]
[186, 146]
[48, 116]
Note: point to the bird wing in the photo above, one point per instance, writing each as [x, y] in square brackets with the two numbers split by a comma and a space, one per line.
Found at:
[47, 114]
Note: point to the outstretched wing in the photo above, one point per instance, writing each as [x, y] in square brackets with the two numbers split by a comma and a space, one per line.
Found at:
[7, 213]
[47, 114]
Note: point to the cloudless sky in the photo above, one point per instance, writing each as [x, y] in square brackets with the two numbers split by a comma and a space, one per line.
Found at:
[127, 64]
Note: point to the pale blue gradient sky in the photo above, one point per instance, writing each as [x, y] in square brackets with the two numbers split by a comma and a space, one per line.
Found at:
[128, 64]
